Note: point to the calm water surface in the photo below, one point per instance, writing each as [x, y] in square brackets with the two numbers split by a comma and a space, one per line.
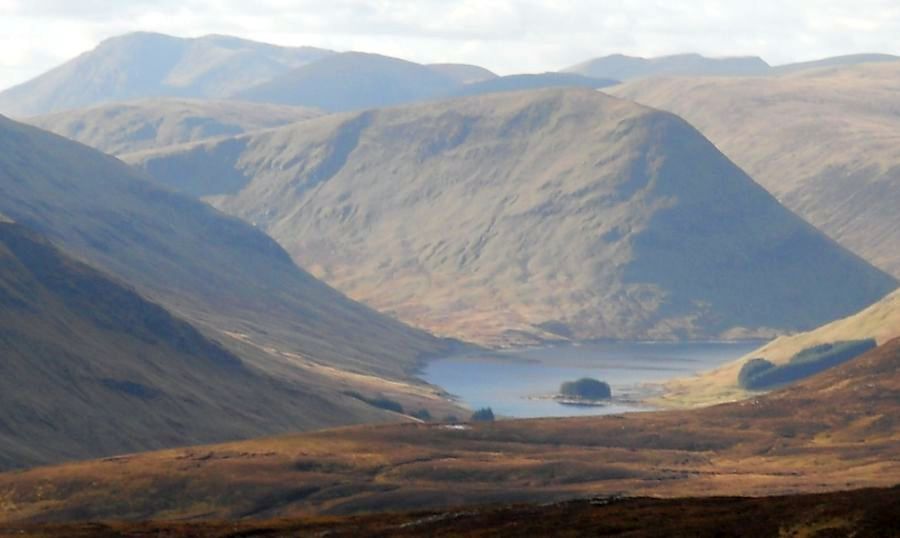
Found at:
[519, 383]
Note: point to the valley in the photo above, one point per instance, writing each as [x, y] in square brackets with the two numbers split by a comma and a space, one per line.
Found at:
[260, 289]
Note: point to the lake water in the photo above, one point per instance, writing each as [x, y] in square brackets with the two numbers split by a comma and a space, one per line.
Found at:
[520, 383]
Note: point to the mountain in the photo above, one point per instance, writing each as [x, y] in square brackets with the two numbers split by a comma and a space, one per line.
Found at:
[621, 67]
[141, 64]
[352, 81]
[823, 141]
[226, 278]
[529, 216]
[90, 368]
[836, 431]
[120, 128]
[463, 73]
[530, 82]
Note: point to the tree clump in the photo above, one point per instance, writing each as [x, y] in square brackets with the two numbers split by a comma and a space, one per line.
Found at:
[760, 374]
[485, 414]
[586, 388]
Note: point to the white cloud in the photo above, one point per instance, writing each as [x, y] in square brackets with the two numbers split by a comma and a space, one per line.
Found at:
[505, 35]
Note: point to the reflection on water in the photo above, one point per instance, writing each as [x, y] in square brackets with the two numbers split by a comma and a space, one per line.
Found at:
[519, 383]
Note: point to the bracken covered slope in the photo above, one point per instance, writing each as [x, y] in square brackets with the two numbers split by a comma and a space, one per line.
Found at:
[825, 142]
[143, 64]
[541, 214]
[836, 431]
[152, 123]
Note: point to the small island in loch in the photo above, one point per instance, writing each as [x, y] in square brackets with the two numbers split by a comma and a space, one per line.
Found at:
[585, 391]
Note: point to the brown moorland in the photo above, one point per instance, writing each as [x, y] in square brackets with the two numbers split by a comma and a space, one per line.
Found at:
[860, 513]
[835, 431]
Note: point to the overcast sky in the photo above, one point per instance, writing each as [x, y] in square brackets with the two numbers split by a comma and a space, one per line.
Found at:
[504, 35]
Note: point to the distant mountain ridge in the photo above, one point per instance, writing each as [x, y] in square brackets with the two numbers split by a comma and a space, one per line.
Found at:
[353, 81]
[119, 128]
[535, 214]
[537, 81]
[622, 67]
[143, 64]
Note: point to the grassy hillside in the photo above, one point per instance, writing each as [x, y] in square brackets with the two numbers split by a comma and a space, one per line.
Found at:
[835, 431]
[153, 123]
[352, 81]
[880, 321]
[531, 215]
[141, 64]
[823, 141]
[92, 369]
[228, 279]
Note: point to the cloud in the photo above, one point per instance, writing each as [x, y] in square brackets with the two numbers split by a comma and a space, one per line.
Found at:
[505, 35]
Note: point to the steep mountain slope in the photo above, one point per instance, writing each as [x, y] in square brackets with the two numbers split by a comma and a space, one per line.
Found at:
[836, 431]
[225, 277]
[621, 67]
[142, 64]
[463, 73]
[881, 321]
[531, 82]
[152, 123]
[825, 142]
[352, 81]
[555, 213]
[91, 369]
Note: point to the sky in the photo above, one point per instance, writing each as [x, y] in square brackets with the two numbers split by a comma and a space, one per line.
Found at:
[507, 36]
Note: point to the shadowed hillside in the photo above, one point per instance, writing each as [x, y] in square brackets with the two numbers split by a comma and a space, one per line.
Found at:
[89, 368]
[835, 431]
[824, 141]
[142, 64]
[528, 215]
[153, 123]
[353, 81]
[228, 279]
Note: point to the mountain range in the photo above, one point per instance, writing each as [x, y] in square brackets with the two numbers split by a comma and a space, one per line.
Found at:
[142, 64]
[530, 215]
